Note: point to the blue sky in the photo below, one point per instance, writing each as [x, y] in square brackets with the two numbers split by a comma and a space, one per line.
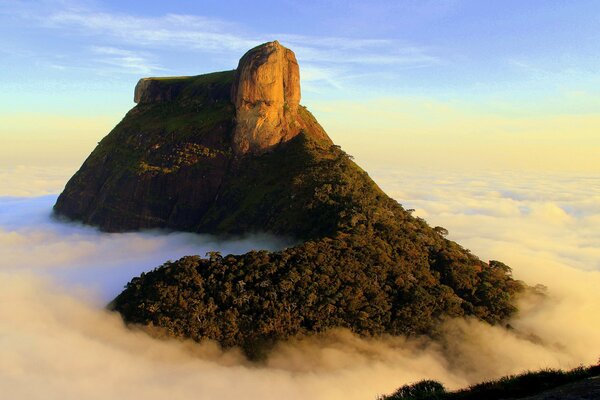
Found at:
[510, 58]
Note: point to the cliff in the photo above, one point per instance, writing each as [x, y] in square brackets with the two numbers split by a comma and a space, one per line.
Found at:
[266, 95]
[234, 152]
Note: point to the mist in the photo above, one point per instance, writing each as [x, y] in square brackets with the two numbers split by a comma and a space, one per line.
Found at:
[58, 341]
[32, 240]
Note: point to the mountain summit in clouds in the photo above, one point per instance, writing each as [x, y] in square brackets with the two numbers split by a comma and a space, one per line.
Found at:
[234, 152]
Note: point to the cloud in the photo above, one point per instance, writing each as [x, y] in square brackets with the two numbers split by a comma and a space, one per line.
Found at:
[338, 62]
[130, 61]
[171, 30]
[553, 216]
[32, 241]
[57, 340]
[211, 34]
[131, 42]
[342, 50]
[26, 181]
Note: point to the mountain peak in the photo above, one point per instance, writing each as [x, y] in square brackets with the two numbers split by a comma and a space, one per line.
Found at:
[231, 153]
[266, 96]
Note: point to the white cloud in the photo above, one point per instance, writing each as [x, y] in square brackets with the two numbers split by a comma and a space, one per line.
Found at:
[25, 181]
[340, 50]
[171, 30]
[58, 342]
[126, 60]
[216, 36]
[32, 241]
[209, 34]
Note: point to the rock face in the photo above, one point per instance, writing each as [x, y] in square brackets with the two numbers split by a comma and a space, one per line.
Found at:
[266, 96]
[152, 90]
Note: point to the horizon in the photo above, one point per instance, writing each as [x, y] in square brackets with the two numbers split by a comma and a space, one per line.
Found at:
[450, 84]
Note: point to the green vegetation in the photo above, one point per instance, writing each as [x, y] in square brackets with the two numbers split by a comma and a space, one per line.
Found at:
[198, 82]
[366, 265]
[423, 390]
[508, 387]
[201, 109]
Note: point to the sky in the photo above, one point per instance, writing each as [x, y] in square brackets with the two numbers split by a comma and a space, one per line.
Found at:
[467, 84]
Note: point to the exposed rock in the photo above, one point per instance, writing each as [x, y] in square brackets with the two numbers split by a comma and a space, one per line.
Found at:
[153, 90]
[266, 95]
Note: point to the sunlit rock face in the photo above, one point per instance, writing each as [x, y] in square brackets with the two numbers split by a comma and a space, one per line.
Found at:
[266, 95]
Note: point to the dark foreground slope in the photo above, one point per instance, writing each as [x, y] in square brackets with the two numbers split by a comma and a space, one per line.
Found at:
[548, 384]
[191, 157]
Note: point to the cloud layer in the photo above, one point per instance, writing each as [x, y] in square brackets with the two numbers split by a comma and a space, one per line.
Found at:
[57, 341]
[32, 241]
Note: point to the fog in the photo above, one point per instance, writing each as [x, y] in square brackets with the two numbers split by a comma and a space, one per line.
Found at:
[31, 240]
[58, 341]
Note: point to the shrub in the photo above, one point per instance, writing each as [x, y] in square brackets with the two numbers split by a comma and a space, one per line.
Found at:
[426, 389]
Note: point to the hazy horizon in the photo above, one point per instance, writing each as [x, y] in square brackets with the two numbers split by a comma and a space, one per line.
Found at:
[450, 83]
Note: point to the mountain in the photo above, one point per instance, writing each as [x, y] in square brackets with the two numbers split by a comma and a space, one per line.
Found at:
[234, 152]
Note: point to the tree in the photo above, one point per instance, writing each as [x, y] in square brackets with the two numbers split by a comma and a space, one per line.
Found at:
[442, 231]
[423, 390]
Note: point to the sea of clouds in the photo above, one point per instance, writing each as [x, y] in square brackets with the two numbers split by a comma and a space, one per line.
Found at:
[58, 342]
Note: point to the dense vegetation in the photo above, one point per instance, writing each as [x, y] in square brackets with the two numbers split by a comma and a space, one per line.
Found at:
[367, 264]
[509, 387]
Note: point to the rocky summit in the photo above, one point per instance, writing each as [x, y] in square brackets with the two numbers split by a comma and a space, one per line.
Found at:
[233, 152]
[266, 95]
